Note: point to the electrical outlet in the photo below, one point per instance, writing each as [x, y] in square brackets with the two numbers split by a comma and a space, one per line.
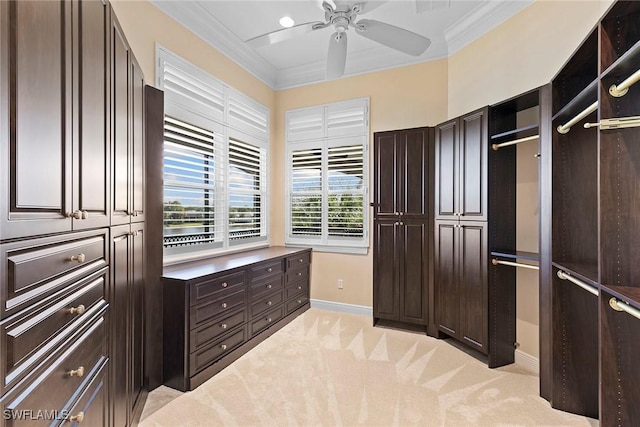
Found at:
[340, 284]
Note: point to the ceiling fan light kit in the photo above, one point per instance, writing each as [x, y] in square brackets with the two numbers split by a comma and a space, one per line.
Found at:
[341, 17]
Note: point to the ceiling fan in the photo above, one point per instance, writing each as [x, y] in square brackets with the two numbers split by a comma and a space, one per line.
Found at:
[341, 17]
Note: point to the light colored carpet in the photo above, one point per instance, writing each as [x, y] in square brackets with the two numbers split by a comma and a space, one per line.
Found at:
[335, 369]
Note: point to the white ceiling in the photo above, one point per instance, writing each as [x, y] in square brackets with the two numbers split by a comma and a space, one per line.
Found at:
[227, 24]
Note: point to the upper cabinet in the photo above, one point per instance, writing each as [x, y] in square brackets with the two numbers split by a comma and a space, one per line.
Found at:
[461, 167]
[55, 151]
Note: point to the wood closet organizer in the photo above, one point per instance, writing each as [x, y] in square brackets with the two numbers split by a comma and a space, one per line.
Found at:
[72, 223]
[596, 223]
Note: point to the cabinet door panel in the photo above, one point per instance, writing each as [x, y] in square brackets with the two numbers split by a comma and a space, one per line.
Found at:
[385, 196]
[473, 166]
[137, 142]
[415, 174]
[447, 286]
[473, 276]
[136, 298]
[385, 270]
[120, 130]
[446, 197]
[35, 97]
[414, 271]
[91, 144]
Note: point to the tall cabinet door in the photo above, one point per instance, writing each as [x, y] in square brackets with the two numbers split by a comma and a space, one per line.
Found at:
[35, 117]
[386, 252]
[385, 171]
[91, 154]
[136, 314]
[414, 270]
[448, 289]
[413, 167]
[137, 181]
[446, 171]
[473, 279]
[474, 137]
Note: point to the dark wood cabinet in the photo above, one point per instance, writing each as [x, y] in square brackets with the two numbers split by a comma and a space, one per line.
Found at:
[217, 309]
[461, 291]
[403, 200]
[461, 167]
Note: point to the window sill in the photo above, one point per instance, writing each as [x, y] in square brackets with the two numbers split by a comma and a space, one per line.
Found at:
[332, 249]
[177, 259]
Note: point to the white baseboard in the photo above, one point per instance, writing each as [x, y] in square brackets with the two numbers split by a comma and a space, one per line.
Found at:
[342, 307]
[527, 362]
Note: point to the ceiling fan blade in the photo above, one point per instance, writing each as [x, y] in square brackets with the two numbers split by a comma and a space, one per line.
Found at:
[428, 5]
[337, 57]
[394, 37]
[282, 35]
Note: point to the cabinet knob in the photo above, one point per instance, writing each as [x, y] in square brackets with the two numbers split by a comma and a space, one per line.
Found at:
[299, 301]
[396, 223]
[269, 319]
[77, 372]
[397, 213]
[301, 260]
[75, 215]
[133, 233]
[79, 258]
[299, 274]
[134, 213]
[225, 284]
[269, 303]
[223, 326]
[269, 270]
[269, 286]
[299, 288]
[223, 305]
[77, 418]
[77, 310]
[223, 346]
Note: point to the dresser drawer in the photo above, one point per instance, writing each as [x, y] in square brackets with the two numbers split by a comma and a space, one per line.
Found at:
[273, 284]
[265, 269]
[90, 409]
[64, 378]
[266, 320]
[218, 307]
[209, 331]
[297, 274]
[266, 303]
[298, 260]
[296, 303]
[31, 270]
[300, 288]
[204, 357]
[30, 337]
[216, 287]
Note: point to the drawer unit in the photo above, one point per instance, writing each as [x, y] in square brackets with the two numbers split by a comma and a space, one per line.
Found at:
[34, 269]
[32, 336]
[205, 356]
[217, 309]
[216, 287]
[90, 408]
[213, 329]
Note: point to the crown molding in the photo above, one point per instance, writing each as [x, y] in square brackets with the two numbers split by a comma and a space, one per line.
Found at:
[206, 26]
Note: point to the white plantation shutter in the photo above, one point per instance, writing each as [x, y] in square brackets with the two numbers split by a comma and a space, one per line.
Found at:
[247, 115]
[327, 179]
[193, 186]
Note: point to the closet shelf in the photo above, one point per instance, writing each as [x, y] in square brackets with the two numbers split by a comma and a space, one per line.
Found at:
[624, 66]
[521, 132]
[581, 101]
[585, 272]
[628, 294]
[521, 255]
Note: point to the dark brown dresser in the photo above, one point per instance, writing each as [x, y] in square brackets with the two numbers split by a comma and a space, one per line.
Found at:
[217, 309]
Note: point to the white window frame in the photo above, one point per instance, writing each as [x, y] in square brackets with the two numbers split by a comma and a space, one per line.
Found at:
[252, 128]
[323, 139]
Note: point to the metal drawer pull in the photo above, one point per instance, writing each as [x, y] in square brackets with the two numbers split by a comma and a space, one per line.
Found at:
[77, 372]
[223, 305]
[269, 286]
[299, 274]
[299, 301]
[77, 418]
[78, 215]
[269, 303]
[133, 233]
[299, 288]
[223, 346]
[77, 310]
[301, 260]
[223, 326]
[80, 258]
[225, 284]
[269, 270]
[269, 319]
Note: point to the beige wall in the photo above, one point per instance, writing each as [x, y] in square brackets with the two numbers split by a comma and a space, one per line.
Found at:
[400, 98]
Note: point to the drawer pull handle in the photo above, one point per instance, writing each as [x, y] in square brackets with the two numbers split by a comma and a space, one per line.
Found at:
[133, 233]
[268, 319]
[269, 303]
[269, 286]
[223, 326]
[269, 270]
[299, 274]
[299, 301]
[77, 418]
[223, 346]
[225, 284]
[299, 288]
[80, 258]
[78, 214]
[77, 310]
[77, 372]
[223, 305]
[301, 260]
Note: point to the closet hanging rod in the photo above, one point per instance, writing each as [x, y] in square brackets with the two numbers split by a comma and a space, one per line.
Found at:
[496, 147]
[623, 88]
[588, 288]
[618, 123]
[623, 306]
[584, 113]
[496, 261]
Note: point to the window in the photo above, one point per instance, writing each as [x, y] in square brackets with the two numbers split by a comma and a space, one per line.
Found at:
[215, 163]
[327, 157]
